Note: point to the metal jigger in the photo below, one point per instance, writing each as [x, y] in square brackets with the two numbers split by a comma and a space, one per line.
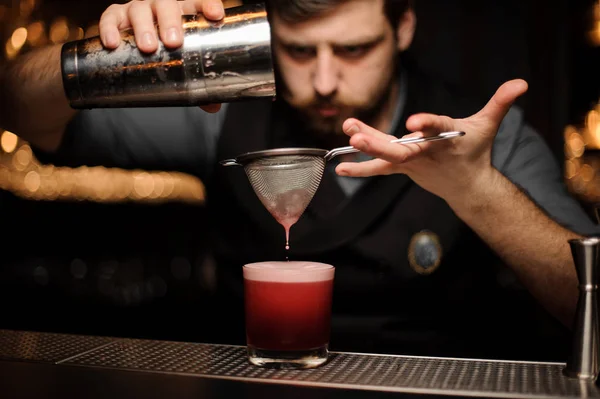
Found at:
[584, 360]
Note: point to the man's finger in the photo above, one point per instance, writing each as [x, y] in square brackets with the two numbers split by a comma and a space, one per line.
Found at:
[430, 123]
[211, 108]
[142, 20]
[353, 126]
[495, 110]
[212, 9]
[168, 15]
[382, 148]
[111, 21]
[373, 167]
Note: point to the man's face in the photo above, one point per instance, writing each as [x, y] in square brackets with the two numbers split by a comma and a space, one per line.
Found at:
[337, 65]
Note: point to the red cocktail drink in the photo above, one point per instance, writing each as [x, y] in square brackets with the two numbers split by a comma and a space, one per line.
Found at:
[288, 313]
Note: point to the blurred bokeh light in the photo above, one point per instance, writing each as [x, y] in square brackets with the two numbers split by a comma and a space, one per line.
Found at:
[22, 174]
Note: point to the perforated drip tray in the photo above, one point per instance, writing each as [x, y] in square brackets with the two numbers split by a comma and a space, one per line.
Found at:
[440, 376]
[357, 371]
[46, 347]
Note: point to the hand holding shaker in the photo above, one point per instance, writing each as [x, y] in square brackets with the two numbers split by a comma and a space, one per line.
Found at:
[224, 61]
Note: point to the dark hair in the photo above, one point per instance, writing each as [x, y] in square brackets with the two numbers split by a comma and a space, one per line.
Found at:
[300, 10]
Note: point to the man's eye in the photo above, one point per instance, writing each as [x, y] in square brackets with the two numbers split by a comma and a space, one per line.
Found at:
[300, 51]
[352, 51]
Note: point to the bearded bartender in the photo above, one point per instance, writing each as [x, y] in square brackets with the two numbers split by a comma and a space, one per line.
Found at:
[419, 235]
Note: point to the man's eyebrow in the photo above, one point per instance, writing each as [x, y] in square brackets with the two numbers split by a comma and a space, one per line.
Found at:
[342, 43]
[361, 42]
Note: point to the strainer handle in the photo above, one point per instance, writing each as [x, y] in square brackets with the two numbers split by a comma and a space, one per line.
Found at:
[349, 149]
[230, 162]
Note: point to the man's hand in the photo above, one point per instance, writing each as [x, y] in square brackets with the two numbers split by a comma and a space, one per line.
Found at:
[141, 16]
[446, 168]
[460, 171]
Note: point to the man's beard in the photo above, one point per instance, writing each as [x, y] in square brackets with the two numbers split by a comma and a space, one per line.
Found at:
[329, 129]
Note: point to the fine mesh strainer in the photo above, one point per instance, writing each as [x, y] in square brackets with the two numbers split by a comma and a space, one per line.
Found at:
[286, 179]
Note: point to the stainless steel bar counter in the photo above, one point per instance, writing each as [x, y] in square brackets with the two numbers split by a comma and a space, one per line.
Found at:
[48, 365]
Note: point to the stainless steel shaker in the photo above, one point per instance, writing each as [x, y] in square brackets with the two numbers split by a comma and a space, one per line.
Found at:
[584, 360]
[225, 61]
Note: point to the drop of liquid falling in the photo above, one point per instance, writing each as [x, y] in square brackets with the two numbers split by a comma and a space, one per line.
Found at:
[287, 227]
[287, 209]
[287, 224]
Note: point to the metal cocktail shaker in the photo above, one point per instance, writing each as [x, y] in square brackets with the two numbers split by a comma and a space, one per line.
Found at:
[584, 361]
[225, 61]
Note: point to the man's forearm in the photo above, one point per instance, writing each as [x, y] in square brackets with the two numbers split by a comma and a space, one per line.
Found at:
[532, 244]
[32, 101]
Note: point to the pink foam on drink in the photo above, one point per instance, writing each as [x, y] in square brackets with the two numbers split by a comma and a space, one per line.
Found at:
[289, 272]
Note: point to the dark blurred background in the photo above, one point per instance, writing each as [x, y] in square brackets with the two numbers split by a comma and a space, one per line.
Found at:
[107, 251]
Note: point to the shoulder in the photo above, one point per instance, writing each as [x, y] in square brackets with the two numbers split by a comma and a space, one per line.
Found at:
[518, 145]
[512, 130]
[522, 155]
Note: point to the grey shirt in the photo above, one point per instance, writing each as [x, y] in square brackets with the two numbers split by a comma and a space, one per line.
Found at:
[185, 139]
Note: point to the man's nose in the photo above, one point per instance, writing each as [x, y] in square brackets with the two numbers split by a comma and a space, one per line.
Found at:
[326, 75]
